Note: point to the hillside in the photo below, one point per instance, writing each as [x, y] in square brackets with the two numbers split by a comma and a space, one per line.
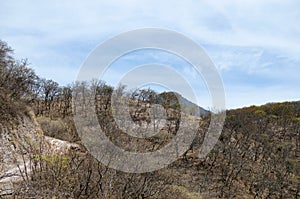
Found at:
[257, 154]
[42, 155]
[188, 107]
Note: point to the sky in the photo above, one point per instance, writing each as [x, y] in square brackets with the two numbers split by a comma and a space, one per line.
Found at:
[253, 44]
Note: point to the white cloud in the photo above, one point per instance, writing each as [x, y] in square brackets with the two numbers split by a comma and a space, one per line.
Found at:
[253, 36]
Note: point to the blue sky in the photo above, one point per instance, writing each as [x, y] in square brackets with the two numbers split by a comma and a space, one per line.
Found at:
[254, 44]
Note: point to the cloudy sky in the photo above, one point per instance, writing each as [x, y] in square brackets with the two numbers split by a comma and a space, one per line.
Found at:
[254, 44]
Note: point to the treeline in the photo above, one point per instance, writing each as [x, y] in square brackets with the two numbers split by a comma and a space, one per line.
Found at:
[18, 82]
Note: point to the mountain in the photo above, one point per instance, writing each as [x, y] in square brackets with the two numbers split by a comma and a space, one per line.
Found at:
[187, 106]
[190, 107]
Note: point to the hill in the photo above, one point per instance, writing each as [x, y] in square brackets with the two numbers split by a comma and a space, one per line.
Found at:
[190, 107]
[256, 156]
[186, 106]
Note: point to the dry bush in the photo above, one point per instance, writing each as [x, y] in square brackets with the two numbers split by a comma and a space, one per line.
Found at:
[63, 129]
[81, 176]
[11, 111]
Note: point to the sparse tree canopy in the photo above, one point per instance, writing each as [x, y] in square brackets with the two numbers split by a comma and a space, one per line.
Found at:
[257, 154]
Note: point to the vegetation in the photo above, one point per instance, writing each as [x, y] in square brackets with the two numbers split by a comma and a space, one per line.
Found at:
[257, 155]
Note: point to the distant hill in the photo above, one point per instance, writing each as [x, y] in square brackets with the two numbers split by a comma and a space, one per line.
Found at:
[190, 107]
[187, 106]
